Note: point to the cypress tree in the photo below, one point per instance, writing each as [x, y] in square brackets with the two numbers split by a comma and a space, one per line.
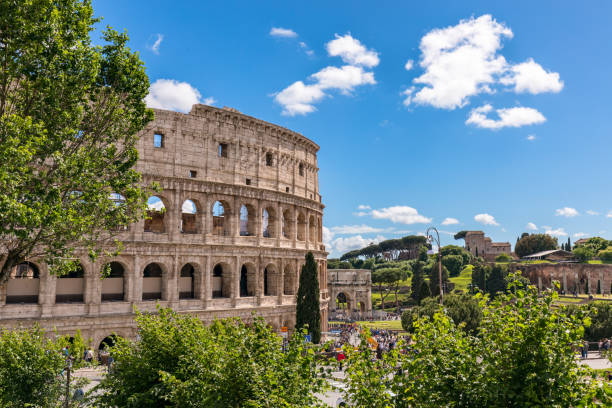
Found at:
[424, 291]
[307, 309]
[417, 280]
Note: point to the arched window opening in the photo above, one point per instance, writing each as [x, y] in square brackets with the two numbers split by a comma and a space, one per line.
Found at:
[312, 231]
[287, 224]
[270, 280]
[186, 282]
[269, 159]
[301, 232]
[156, 211]
[152, 282]
[23, 284]
[244, 280]
[362, 307]
[220, 223]
[69, 287]
[107, 342]
[289, 281]
[220, 282]
[112, 285]
[341, 301]
[247, 220]
[268, 223]
[301, 169]
[189, 219]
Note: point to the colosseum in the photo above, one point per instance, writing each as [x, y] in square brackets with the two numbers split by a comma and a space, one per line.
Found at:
[238, 210]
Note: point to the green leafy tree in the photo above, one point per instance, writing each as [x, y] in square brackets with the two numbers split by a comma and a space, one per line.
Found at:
[496, 279]
[69, 115]
[605, 254]
[480, 274]
[383, 279]
[457, 250]
[532, 243]
[503, 258]
[30, 369]
[417, 280]
[453, 263]
[397, 276]
[425, 292]
[521, 336]
[600, 313]
[308, 312]
[596, 244]
[584, 253]
[434, 277]
[463, 309]
[178, 361]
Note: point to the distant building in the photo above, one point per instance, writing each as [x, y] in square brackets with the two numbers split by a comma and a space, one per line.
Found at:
[554, 255]
[350, 293]
[581, 241]
[479, 245]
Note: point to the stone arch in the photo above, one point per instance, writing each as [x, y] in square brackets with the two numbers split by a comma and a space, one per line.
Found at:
[221, 280]
[69, 288]
[247, 220]
[343, 301]
[287, 222]
[156, 213]
[289, 280]
[108, 341]
[301, 226]
[113, 285]
[271, 280]
[248, 279]
[24, 284]
[187, 282]
[312, 229]
[152, 281]
[221, 218]
[190, 217]
[268, 222]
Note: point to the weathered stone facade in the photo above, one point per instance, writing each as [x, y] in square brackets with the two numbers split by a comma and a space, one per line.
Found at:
[572, 277]
[261, 182]
[479, 245]
[356, 286]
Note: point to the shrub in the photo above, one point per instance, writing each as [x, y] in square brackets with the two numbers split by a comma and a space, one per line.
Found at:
[503, 258]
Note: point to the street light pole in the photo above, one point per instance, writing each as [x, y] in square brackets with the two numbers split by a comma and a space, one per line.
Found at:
[436, 239]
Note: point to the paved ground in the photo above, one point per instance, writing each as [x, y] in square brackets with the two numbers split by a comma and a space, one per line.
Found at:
[330, 398]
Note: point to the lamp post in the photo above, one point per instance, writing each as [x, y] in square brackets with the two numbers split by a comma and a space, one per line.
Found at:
[436, 239]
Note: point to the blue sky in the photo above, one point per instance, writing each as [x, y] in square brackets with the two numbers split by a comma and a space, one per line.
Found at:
[502, 119]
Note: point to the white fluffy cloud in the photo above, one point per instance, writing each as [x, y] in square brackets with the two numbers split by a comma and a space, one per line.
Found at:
[579, 235]
[450, 221]
[531, 226]
[342, 245]
[566, 212]
[464, 60]
[591, 212]
[408, 65]
[609, 215]
[299, 98]
[531, 138]
[559, 232]
[485, 219]
[508, 117]
[400, 214]
[158, 40]
[283, 32]
[357, 229]
[352, 51]
[363, 207]
[531, 78]
[174, 95]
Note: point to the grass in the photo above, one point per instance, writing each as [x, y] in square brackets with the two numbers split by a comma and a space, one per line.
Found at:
[464, 279]
[382, 324]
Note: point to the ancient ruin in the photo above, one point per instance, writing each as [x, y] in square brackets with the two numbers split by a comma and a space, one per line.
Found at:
[227, 235]
[350, 293]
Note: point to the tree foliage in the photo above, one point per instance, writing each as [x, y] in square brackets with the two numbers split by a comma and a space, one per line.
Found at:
[463, 309]
[453, 263]
[522, 356]
[503, 257]
[308, 312]
[532, 243]
[30, 369]
[584, 253]
[417, 280]
[605, 254]
[432, 270]
[69, 115]
[596, 244]
[178, 361]
[401, 248]
[383, 279]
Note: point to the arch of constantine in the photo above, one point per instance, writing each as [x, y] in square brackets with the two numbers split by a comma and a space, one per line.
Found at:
[227, 235]
[350, 293]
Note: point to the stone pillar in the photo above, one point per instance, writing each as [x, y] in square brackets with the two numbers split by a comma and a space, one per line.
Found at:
[235, 294]
[297, 276]
[281, 282]
[171, 283]
[207, 286]
[259, 222]
[3, 288]
[176, 215]
[565, 282]
[137, 276]
[258, 281]
[207, 216]
[46, 292]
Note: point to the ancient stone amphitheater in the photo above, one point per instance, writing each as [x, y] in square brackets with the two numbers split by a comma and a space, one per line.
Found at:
[227, 235]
